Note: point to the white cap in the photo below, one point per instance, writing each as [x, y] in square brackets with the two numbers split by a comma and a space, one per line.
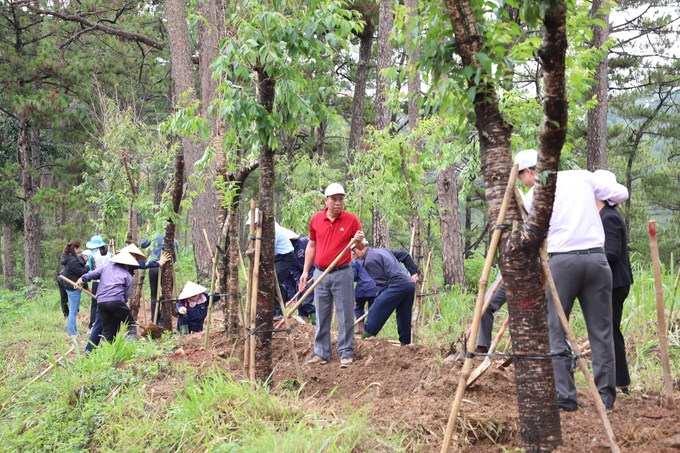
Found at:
[334, 189]
[124, 258]
[607, 178]
[87, 252]
[526, 159]
[257, 216]
[191, 289]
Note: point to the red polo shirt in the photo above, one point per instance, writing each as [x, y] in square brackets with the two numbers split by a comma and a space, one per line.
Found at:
[332, 237]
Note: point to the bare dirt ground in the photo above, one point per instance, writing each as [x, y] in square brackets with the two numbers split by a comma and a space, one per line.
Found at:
[410, 390]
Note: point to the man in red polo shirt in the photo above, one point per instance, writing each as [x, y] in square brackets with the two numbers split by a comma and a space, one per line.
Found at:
[330, 232]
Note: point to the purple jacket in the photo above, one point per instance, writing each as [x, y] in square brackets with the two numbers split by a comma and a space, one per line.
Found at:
[115, 283]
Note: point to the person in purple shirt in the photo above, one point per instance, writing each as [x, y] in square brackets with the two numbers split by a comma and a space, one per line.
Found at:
[395, 292]
[97, 329]
[115, 286]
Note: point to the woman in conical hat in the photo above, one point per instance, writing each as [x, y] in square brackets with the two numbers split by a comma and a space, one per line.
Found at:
[192, 307]
[115, 286]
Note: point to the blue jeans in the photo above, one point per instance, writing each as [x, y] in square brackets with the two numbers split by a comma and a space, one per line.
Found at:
[73, 306]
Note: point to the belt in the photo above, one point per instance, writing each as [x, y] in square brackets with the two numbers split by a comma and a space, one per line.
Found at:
[579, 252]
[337, 268]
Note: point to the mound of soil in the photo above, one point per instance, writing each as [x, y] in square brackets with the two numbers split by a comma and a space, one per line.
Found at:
[410, 390]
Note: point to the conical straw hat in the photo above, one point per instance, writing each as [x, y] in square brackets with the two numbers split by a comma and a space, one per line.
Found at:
[191, 289]
[124, 258]
[133, 250]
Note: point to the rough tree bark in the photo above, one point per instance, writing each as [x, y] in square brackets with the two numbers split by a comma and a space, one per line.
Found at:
[449, 222]
[357, 125]
[381, 238]
[132, 237]
[169, 243]
[597, 117]
[8, 261]
[537, 402]
[228, 245]
[29, 159]
[266, 292]
[204, 210]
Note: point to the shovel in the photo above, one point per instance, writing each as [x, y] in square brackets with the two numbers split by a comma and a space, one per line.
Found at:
[72, 283]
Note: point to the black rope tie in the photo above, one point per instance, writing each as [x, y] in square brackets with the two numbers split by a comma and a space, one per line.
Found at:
[259, 330]
[470, 355]
[258, 238]
[535, 230]
[502, 226]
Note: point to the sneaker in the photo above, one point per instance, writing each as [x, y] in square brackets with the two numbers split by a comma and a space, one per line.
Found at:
[345, 363]
[624, 390]
[278, 318]
[481, 349]
[316, 360]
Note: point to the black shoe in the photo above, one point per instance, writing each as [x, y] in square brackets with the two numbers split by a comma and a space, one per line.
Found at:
[481, 349]
[568, 406]
[625, 391]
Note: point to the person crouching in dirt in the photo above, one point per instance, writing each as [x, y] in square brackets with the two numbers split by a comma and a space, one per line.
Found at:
[395, 292]
[115, 286]
[96, 331]
[192, 307]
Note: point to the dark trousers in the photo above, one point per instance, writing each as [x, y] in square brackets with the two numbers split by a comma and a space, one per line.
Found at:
[282, 264]
[93, 306]
[96, 332]
[63, 296]
[619, 296]
[359, 303]
[112, 313]
[153, 286]
[486, 325]
[397, 298]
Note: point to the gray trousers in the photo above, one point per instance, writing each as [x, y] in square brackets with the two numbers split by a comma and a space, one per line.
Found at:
[336, 287]
[588, 277]
[486, 325]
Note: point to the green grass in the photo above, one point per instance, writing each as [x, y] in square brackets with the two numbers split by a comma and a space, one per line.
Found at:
[101, 402]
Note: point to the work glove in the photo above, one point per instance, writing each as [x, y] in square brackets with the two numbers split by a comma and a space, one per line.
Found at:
[182, 310]
[80, 283]
[165, 257]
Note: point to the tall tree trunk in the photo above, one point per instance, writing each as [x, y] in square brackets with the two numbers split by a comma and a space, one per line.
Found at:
[266, 295]
[597, 117]
[28, 157]
[357, 124]
[537, 402]
[449, 221]
[204, 205]
[167, 277]
[8, 261]
[381, 236]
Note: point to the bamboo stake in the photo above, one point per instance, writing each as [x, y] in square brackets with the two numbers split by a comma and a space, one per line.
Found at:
[669, 402]
[435, 291]
[419, 297]
[249, 282]
[212, 294]
[291, 343]
[253, 299]
[315, 284]
[72, 283]
[43, 373]
[146, 322]
[413, 238]
[465, 373]
[581, 361]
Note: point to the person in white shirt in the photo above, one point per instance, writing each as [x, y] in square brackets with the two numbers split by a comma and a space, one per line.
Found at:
[580, 269]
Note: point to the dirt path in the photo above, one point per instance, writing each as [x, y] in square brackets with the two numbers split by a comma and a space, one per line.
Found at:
[409, 390]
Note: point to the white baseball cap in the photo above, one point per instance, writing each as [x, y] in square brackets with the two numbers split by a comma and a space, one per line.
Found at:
[334, 189]
[526, 159]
